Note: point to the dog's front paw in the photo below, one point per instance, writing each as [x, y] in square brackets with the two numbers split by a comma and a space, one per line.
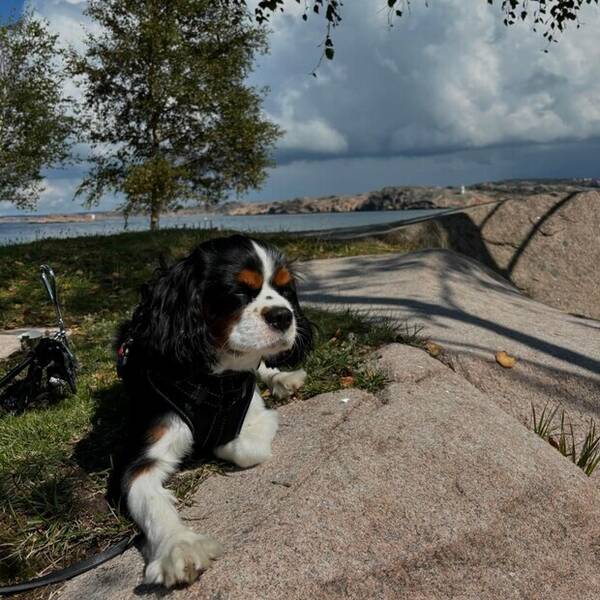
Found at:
[181, 557]
[253, 445]
[288, 382]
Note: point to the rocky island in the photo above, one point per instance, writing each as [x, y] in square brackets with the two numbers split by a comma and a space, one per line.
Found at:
[408, 198]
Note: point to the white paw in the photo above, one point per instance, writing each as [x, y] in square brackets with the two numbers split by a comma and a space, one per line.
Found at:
[180, 558]
[253, 445]
[286, 383]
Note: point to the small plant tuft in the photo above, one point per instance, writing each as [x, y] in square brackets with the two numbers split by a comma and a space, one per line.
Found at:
[589, 455]
[542, 426]
[562, 437]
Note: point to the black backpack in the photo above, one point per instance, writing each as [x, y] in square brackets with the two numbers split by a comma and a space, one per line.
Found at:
[50, 367]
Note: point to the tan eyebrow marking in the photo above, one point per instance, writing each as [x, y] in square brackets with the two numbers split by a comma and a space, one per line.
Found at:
[253, 279]
[282, 277]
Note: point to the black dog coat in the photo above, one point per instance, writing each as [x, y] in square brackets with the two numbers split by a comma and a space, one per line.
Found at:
[213, 406]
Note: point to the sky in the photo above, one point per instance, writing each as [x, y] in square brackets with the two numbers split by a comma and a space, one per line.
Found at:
[447, 96]
[10, 7]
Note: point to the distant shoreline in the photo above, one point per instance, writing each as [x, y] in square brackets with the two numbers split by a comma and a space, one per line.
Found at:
[84, 217]
[386, 199]
[59, 218]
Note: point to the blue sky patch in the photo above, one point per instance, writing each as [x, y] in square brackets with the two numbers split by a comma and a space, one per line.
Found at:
[10, 8]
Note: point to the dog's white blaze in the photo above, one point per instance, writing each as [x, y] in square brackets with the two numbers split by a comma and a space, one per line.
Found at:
[265, 259]
[174, 553]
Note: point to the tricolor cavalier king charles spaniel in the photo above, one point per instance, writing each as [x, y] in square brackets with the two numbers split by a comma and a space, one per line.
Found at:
[189, 357]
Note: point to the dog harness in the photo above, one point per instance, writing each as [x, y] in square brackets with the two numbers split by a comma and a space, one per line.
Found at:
[213, 406]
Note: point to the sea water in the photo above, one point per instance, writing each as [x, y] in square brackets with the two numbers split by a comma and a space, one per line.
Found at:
[15, 233]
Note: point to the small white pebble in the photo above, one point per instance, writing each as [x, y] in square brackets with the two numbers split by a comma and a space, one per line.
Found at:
[345, 400]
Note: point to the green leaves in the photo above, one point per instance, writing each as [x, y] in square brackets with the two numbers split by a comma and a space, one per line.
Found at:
[562, 437]
[329, 51]
[35, 127]
[551, 15]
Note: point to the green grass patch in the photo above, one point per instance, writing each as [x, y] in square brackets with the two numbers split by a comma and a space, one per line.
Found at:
[54, 461]
[343, 354]
[98, 273]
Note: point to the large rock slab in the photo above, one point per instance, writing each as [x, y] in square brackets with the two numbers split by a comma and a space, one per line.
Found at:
[433, 489]
[545, 243]
[473, 312]
[428, 491]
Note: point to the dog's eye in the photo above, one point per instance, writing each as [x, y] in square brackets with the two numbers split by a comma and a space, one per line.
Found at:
[245, 294]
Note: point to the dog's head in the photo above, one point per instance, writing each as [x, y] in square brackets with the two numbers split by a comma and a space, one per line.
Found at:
[229, 304]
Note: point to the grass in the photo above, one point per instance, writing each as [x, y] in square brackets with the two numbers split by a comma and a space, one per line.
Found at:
[101, 273]
[586, 454]
[543, 425]
[346, 342]
[54, 462]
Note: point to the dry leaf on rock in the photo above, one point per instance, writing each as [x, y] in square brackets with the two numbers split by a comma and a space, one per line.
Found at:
[505, 360]
[347, 381]
[433, 349]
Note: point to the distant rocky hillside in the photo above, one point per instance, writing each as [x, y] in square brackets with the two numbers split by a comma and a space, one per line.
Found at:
[387, 198]
[409, 198]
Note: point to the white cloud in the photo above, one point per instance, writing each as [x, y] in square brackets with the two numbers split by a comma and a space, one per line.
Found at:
[314, 134]
[66, 18]
[447, 76]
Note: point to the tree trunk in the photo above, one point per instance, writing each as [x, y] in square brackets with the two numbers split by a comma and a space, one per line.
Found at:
[154, 216]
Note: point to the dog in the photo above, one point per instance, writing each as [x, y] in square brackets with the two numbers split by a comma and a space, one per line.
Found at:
[189, 357]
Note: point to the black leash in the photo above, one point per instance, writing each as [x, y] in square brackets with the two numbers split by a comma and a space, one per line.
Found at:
[73, 570]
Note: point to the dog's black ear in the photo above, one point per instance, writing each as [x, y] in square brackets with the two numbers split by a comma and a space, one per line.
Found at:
[302, 346]
[169, 322]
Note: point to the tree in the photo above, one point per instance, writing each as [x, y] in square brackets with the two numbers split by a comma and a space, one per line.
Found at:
[35, 129]
[167, 109]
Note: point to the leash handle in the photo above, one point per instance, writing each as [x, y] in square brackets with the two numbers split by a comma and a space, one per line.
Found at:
[49, 282]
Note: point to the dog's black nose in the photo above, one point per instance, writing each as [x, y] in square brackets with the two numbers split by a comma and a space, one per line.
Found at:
[279, 317]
